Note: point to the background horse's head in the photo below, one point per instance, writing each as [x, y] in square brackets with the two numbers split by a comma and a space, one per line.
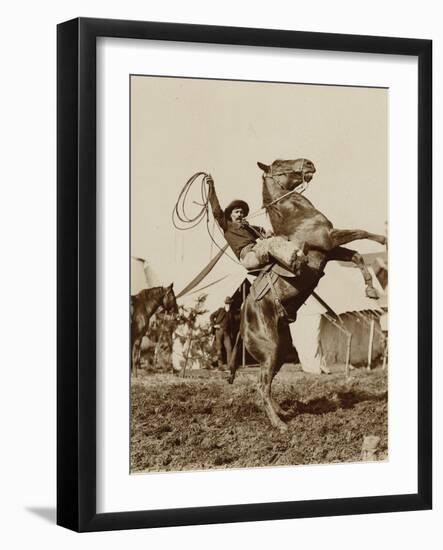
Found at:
[169, 302]
[289, 174]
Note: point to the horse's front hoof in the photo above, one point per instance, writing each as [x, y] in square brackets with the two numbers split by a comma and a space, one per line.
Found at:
[371, 293]
[281, 426]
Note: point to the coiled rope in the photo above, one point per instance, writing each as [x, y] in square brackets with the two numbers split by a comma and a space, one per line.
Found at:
[183, 220]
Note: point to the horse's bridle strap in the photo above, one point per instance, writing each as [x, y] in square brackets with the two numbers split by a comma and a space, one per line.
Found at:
[287, 194]
[284, 172]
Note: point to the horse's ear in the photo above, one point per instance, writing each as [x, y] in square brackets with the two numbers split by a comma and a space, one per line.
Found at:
[263, 167]
[171, 286]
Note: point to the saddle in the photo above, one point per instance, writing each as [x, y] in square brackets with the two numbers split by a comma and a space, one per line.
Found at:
[266, 277]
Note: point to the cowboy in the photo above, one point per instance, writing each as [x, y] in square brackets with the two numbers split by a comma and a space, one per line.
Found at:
[250, 244]
[221, 323]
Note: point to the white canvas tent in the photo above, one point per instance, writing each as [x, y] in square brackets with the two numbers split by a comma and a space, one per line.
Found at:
[315, 334]
[142, 275]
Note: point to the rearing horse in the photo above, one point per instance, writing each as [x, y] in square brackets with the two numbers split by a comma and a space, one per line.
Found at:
[264, 329]
[294, 216]
[143, 306]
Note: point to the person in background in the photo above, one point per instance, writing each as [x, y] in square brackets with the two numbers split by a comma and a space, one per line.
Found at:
[221, 323]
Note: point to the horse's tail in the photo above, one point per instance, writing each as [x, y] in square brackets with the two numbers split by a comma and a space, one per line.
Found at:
[232, 363]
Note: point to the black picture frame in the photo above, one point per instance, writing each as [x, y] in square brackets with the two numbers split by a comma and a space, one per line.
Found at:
[76, 274]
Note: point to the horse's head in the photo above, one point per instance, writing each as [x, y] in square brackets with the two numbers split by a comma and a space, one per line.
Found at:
[289, 174]
[169, 302]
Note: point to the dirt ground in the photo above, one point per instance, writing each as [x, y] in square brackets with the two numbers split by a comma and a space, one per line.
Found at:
[202, 422]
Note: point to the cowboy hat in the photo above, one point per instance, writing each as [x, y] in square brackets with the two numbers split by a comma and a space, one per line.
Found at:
[236, 204]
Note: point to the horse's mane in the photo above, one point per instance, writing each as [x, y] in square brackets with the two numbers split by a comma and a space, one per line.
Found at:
[152, 292]
[267, 199]
[266, 195]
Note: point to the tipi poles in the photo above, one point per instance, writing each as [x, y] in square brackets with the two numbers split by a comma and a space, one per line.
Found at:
[348, 343]
[385, 354]
[243, 349]
[159, 341]
[348, 353]
[188, 351]
[370, 345]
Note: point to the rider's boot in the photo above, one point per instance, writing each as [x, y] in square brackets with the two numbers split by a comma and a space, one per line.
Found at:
[285, 252]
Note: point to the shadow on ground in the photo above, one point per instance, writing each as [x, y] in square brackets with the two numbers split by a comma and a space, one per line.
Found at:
[48, 514]
[322, 405]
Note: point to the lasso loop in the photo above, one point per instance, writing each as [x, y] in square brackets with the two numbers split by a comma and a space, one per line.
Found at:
[183, 220]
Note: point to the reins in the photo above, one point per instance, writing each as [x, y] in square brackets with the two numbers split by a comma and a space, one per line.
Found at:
[264, 208]
[300, 192]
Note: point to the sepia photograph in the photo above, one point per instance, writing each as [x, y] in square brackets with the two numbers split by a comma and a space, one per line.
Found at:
[258, 306]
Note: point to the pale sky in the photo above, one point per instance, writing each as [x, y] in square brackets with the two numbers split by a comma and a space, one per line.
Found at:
[182, 126]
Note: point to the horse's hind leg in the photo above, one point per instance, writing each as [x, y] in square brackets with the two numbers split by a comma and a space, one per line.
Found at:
[284, 415]
[344, 236]
[347, 255]
[268, 369]
[285, 343]
[357, 258]
[262, 340]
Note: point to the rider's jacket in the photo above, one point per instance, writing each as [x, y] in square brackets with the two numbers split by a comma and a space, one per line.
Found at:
[237, 235]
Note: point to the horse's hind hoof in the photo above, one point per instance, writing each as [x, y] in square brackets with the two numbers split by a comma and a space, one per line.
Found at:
[283, 428]
[282, 414]
[372, 293]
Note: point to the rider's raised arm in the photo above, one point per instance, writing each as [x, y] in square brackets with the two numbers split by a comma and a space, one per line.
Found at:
[215, 205]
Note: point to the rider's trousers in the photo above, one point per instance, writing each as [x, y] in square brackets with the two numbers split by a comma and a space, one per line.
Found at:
[256, 255]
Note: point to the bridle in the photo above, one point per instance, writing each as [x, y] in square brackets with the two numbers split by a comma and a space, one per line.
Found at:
[296, 189]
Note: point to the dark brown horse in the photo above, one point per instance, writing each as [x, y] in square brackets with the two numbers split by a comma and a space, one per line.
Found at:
[295, 217]
[265, 330]
[143, 306]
